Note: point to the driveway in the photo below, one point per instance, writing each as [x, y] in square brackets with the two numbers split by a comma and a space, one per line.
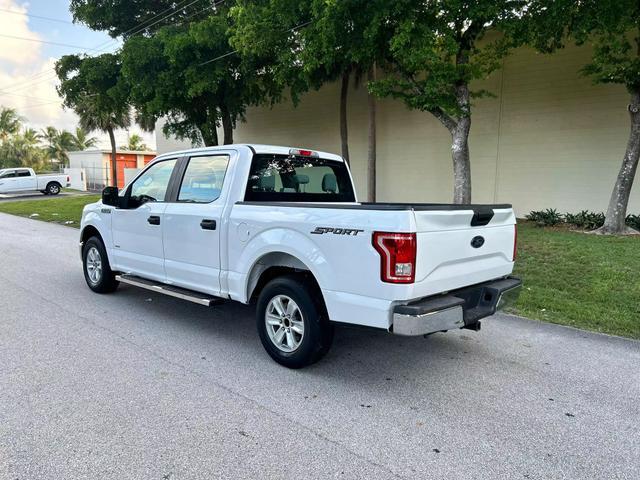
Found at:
[140, 386]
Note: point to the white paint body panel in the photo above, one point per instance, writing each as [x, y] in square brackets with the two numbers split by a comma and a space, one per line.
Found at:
[346, 267]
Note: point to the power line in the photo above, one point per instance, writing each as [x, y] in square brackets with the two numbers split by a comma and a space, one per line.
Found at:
[45, 41]
[41, 17]
[297, 27]
[24, 96]
[133, 31]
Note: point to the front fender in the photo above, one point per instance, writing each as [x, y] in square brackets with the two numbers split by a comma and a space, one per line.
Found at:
[92, 218]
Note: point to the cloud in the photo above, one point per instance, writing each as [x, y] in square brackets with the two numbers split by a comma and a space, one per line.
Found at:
[16, 52]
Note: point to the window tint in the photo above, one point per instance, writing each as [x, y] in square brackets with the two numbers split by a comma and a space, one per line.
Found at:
[298, 179]
[152, 185]
[203, 179]
[9, 174]
[23, 173]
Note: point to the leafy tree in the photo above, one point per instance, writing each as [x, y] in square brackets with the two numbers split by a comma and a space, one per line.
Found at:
[82, 141]
[10, 123]
[613, 28]
[435, 51]
[96, 90]
[135, 144]
[127, 17]
[306, 44]
[184, 73]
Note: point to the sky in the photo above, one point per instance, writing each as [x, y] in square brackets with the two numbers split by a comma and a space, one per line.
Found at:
[27, 77]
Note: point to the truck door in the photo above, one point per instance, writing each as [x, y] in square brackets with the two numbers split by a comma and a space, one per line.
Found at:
[8, 181]
[137, 228]
[25, 180]
[192, 230]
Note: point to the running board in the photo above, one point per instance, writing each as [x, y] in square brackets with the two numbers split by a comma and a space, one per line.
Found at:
[177, 292]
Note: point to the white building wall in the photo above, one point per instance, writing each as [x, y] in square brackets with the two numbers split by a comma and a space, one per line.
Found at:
[550, 138]
[95, 168]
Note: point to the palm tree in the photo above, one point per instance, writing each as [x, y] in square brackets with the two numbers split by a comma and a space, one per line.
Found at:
[135, 144]
[94, 116]
[59, 142]
[23, 150]
[10, 123]
[82, 140]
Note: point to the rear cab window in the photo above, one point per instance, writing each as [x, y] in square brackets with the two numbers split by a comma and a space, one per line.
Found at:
[288, 178]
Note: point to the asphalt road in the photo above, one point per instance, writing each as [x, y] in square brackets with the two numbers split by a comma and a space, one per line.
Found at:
[139, 386]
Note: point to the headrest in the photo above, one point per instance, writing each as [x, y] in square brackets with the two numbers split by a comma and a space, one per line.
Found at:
[329, 183]
[267, 183]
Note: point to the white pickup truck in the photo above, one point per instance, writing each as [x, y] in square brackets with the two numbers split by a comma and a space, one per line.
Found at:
[282, 228]
[19, 180]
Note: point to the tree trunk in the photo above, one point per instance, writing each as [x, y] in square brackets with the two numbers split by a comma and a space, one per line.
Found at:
[227, 125]
[460, 148]
[209, 135]
[371, 153]
[114, 163]
[344, 129]
[617, 211]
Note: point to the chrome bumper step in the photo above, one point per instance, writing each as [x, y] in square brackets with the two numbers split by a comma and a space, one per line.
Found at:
[172, 291]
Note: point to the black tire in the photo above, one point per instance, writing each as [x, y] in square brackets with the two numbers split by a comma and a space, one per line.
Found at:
[106, 283]
[318, 330]
[53, 188]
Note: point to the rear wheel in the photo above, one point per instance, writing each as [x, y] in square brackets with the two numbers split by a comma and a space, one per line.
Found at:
[292, 323]
[97, 271]
[53, 188]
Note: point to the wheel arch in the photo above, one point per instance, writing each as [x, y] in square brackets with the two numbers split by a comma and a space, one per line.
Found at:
[275, 264]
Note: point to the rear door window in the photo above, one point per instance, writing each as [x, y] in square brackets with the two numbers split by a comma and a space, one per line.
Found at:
[287, 178]
[203, 179]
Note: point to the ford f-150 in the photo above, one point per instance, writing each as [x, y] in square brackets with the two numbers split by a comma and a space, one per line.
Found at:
[282, 228]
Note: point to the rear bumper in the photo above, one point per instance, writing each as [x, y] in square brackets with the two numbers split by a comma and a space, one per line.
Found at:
[457, 309]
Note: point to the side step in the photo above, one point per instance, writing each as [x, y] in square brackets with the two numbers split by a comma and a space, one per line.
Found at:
[182, 293]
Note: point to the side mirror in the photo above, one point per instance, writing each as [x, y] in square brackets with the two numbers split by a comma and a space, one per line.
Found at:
[110, 196]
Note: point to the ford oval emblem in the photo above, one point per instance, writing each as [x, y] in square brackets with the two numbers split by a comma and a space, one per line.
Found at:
[477, 242]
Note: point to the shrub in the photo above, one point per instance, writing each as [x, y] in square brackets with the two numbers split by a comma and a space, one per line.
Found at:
[633, 221]
[585, 219]
[546, 218]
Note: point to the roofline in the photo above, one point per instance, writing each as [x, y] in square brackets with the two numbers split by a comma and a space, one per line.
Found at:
[254, 148]
[118, 152]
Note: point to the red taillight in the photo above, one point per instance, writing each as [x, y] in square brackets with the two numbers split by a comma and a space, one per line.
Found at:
[68, 179]
[397, 256]
[515, 242]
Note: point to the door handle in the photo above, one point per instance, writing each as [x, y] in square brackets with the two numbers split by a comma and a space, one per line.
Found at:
[154, 220]
[208, 224]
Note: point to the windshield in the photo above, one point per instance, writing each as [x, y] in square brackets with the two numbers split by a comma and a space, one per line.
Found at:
[287, 178]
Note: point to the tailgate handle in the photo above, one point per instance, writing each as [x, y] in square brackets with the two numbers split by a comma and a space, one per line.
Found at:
[481, 217]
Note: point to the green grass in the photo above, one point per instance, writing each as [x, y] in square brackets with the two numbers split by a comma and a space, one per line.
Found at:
[585, 281]
[57, 210]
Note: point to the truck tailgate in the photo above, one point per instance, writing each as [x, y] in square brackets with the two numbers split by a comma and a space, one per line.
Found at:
[457, 248]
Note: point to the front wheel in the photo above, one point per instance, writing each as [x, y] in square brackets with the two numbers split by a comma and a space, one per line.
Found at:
[292, 324]
[97, 271]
